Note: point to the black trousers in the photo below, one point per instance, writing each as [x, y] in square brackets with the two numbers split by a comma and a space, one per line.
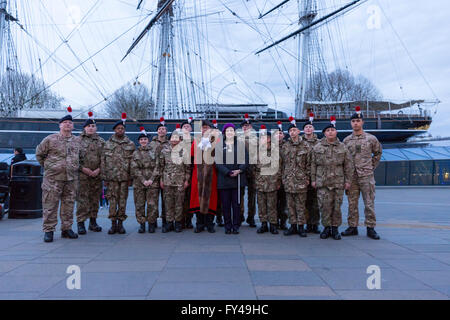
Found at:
[229, 199]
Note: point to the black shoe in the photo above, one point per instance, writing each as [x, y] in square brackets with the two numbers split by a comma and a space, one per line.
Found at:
[350, 231]
[325, 233]
[227, 231]
[251, 222]
[120, 228]
[69, 234]
[167, 227]
[93, 226]
[178, 227]
[210, 223]
[301, 231]
[142, 228]
[371, 233]
[315, 229]
[335, 233]
[273, 229]
[219, 221]
[164, 221]
[200, 224]
[81, 228]
[292, 230]
[263, 228]
[48, 236]
[151, 227]
[113, 229]
[235, 231]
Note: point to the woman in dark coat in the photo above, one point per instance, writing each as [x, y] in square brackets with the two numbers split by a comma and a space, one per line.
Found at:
[231, 163]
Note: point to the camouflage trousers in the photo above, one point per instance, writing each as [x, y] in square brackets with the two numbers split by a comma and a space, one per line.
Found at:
[54, 192]
[89, 191]
[330, 201]
[251, 198]
[296, 206]
[312, 207]
[143, 197]
[267, 207]
[117, 194]
[281, 204]
[163, 206]
[174, 200]
[366, 187]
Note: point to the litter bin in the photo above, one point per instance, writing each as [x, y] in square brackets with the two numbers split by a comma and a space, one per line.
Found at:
[25, 190]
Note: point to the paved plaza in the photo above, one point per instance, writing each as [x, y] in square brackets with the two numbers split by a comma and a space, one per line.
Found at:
[413, 256]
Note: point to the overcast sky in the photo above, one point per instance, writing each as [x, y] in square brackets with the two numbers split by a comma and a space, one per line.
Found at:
[371, 41]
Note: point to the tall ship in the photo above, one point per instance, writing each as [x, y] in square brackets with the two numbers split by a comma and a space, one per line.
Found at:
[194, 64]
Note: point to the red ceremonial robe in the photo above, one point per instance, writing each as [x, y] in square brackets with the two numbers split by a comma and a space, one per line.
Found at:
[203, 185]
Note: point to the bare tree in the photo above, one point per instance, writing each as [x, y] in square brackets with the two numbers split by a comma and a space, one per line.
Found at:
[340, 85]
[21, 91]
[134, 99]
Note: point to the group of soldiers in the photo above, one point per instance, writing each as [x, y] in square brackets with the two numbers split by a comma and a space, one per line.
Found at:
[309, 178]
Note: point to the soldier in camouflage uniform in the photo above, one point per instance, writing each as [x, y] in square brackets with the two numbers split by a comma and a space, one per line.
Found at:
[268, 181]
[312, 206]
[251, 144]
[145, 184]
[281, 194]
[295, 179]
[331, 173]
[366, 152]
[175, 175]
[90, 187]
[116, 160]
[58, 154]
[157, 144]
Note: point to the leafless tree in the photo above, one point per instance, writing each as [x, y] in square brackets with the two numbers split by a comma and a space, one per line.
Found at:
[134, 99]
[21, 91]
[341, 85]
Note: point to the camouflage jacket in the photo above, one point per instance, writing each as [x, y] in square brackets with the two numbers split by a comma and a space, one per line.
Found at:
[91, 150]
[366, 151]
[311, 142]
[295, 165]
[116, 159]
[172, 173]
[268, 175]
[60, 157]
[157, 145]
[143, 164]
[331, 164]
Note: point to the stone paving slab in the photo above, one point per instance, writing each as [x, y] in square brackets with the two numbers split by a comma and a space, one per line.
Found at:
[413, 255]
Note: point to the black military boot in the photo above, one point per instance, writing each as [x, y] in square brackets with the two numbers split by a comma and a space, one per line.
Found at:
[273, 229]
[151, 227]
[120, 228]
[283, 224]
[350, 231]
[371, 233]
[81, 228]
[292, 230]
[210, 223]
[301, 231]
[69, 234]
[178, 226]
[308, 228]
[165, 227]
[142, 228]
[219, 221]
[263, 228]
[315, 229]
[164, 221]
[48, 236]
[251, 222]
[113, 227]
[171, 226]
[93, 226]
[200, 224]
[335, 233]
[325, 233]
